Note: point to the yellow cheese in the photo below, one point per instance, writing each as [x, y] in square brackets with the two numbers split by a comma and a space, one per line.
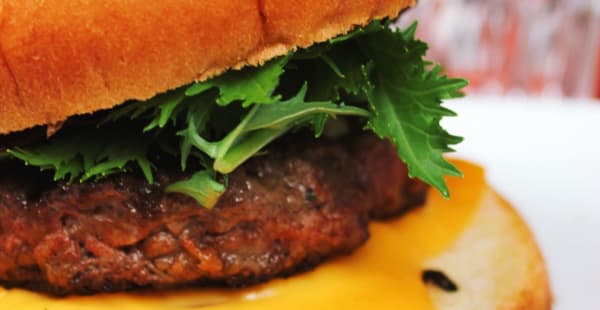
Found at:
[383, 274]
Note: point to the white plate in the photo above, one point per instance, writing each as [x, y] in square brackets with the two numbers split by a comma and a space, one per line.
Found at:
[543, 155]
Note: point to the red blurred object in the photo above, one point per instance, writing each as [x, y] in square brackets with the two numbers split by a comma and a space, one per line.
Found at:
[539, 47]
[598, 72]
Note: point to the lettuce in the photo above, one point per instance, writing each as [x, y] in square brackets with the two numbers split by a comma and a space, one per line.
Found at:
[375, 73]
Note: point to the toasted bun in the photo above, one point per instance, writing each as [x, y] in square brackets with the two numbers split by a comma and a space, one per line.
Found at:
[476, 239]
[496, 262]
[60, 58]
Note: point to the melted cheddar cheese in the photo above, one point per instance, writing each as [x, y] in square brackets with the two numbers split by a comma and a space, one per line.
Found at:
[383, 274]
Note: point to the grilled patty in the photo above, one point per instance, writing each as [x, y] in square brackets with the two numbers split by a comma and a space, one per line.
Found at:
[304, 201]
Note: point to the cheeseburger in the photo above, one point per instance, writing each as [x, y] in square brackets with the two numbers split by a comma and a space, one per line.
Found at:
[241, 155]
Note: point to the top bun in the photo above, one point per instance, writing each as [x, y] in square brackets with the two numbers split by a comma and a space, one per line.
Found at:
[60, 58]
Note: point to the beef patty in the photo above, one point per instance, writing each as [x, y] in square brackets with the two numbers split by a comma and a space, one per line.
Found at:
[303, 201]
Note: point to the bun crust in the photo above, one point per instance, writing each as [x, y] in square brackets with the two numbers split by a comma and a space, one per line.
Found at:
[60, 58]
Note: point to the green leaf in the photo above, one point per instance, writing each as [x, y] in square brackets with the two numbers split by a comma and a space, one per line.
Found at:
[251, 85]
[197, 119]
[421, 147]
[406, 104]
[87, 155]
[201, 186]
[373, 27]
[164, 110]
[335, 71]
[61, 156]
[319, 123]
[348, 76]
[408, 34]
[288, 112]
[267, 122]
[159, 110]
[199, 88]
[251, 144]
[115, 156]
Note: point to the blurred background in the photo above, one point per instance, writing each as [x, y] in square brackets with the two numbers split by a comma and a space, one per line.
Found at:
[531, 117]
[533, 47]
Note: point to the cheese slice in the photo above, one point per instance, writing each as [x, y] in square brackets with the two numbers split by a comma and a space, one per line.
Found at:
[383, 274]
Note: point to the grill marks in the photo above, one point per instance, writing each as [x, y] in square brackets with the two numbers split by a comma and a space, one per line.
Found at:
[438, 279]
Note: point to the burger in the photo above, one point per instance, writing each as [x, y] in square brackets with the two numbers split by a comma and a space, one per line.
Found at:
[241, 154]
